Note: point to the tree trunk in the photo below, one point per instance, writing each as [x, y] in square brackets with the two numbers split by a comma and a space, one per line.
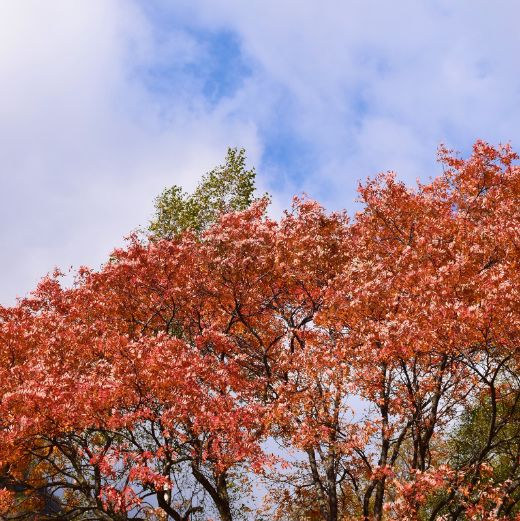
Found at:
[218, 492]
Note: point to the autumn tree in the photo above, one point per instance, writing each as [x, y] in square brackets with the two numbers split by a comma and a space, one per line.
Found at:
[430, 304]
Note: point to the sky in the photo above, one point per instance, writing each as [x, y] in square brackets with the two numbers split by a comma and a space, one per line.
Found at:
[106, 102]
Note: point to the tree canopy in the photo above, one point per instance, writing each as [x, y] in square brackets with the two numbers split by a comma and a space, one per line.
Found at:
[380, 354]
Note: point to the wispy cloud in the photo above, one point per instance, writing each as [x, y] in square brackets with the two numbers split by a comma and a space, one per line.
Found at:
[371, 85]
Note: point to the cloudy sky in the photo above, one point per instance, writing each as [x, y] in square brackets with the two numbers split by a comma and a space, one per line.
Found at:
[105, 102]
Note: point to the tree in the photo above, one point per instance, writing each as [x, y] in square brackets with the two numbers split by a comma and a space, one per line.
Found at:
[147, 410]
[432, 302]
[226, 188]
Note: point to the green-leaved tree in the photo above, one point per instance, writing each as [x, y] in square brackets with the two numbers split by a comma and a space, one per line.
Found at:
[227, 188]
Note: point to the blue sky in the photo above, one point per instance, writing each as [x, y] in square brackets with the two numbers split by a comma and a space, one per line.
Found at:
[106, 102]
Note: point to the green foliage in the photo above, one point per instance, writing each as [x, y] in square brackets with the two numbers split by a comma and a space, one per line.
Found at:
[486, 443]
[226, 188]
[490, 432]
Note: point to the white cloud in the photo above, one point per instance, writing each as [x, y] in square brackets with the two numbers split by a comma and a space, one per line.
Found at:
[84, 147]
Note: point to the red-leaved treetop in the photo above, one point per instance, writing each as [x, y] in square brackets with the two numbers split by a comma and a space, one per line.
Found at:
[379, 355]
